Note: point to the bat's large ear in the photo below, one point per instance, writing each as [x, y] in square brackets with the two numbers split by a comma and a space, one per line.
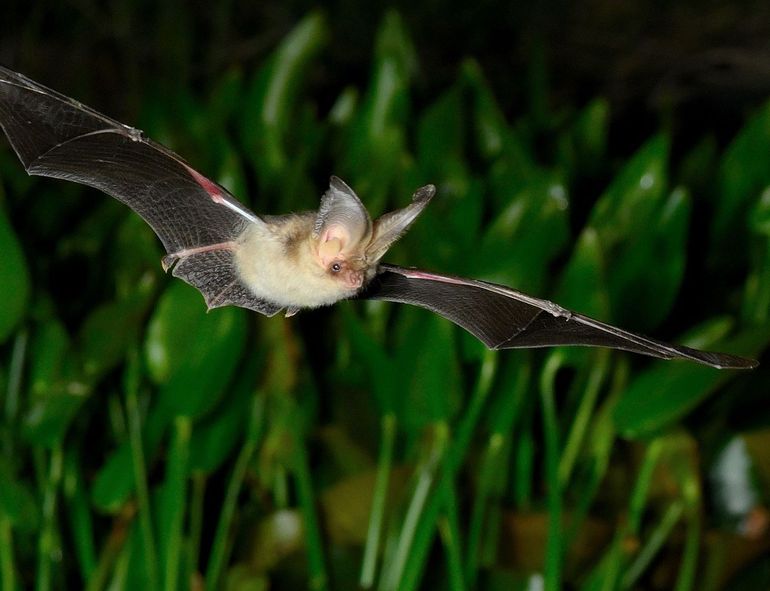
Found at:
[342, 223]
[391, 226]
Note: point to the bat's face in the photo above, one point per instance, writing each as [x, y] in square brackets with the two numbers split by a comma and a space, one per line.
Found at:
[316, 259]
[347, 244]
[342, 259]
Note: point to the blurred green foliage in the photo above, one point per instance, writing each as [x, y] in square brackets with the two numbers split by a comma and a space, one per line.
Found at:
[147, 444]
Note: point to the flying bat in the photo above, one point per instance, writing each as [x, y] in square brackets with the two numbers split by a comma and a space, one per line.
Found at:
[289, 262]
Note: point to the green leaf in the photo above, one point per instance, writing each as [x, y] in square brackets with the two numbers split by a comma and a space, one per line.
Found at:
[426, 369]
[106, 335]
[376, 142]
[17, 502]
[582, 149]
[522, 240]
[14, 279]
[167, 342]
[114, 481]
[742, 177]
[756, 300]
[375, 358]
[454, 220]
[699, 166]
[668, 390]
[135, 252]
[634, 195]
[47, 419]
[219, 433]
[440, 134]
[590, 132]
[62, 379]
[759, 219]
[136, 573]
[190, 353]
[49, 350]
[345, 107]
[641, 299]
[272, 99]
[489, 123]
[582, 286]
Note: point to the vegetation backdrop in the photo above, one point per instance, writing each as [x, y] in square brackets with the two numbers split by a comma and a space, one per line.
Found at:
[608, 159]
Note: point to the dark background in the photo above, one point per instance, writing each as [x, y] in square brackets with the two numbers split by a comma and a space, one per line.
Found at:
[703, 64]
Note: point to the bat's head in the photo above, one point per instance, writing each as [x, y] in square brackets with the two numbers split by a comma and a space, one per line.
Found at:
[348, 245]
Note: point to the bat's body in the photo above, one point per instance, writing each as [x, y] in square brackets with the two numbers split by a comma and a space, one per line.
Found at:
[278, 263]
[283, 263]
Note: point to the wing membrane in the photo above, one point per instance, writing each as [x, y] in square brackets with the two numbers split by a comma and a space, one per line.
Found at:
[58, 137]
[504, 318]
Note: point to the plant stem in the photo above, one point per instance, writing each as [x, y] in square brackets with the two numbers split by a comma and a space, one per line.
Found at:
[653, 545]
[140, 477]
[6, 555]
[449, 529]
[395, 574]
[642, 485]
[221, 546]
[419, 523]
[80, 515]
[686, 579]
[318, 577]
[491, 477]
[175, 493]
[422, 515]
[579, 428]
[376, 517]
[15, 376]
[196, 519]
[554, 546]
[691, 488]
[489, 464]
[471, 416]
[48, 535]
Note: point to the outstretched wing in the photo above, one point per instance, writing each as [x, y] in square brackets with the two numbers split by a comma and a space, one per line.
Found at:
[503, 318]
[196, 219]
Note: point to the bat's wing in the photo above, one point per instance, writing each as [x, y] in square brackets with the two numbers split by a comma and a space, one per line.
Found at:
[196, 219]
[503, 318]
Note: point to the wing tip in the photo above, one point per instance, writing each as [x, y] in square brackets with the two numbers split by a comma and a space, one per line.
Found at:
[735, 362]
[424, 194]
[714, 359]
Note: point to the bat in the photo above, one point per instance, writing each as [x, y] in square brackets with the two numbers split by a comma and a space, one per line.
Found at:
[288, 262]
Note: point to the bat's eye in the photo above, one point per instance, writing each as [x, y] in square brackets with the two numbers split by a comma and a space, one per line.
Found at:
[336, 268]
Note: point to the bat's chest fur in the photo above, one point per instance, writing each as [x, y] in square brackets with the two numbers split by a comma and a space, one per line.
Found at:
[277, 263]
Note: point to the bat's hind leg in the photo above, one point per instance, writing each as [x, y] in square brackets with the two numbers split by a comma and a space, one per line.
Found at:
[173, 258]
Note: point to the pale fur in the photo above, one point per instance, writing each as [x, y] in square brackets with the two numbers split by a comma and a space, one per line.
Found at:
[286, 260]
[277, 261]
